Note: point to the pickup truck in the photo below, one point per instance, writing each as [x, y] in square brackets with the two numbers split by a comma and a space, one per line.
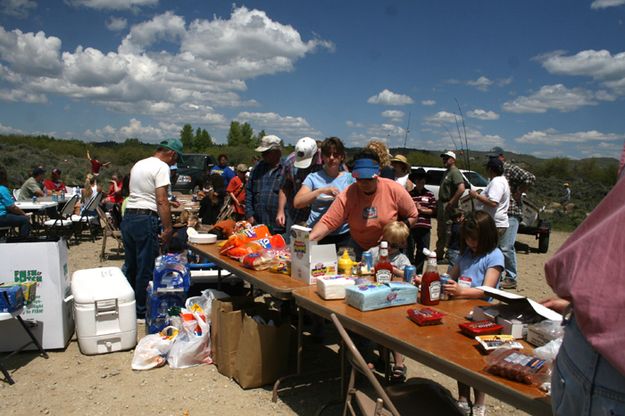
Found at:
[193, 172]
[472, 180]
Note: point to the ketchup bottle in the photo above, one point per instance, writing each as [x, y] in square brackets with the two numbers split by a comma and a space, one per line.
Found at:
[383, 268]
[430, 282]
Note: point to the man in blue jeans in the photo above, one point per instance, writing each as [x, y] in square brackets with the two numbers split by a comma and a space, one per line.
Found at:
[519, 180]
[147, 210]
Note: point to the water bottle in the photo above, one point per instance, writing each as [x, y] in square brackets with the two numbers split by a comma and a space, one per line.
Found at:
[34, 199]
[62, 196]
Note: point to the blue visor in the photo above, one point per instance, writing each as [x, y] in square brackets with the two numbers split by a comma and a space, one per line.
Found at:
[365, 169]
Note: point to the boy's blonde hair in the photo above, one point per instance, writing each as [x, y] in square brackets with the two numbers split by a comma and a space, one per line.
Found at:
[192, 220]
[396, 233]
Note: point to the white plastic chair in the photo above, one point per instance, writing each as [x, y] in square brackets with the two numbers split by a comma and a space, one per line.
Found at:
[88, 217]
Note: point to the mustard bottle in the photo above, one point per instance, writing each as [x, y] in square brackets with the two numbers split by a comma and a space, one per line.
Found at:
[345, 264]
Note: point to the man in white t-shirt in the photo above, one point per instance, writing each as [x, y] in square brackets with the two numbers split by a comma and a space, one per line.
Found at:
[147, 211]
[496, 197]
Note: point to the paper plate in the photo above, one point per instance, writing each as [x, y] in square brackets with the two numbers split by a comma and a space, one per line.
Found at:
[203, 238]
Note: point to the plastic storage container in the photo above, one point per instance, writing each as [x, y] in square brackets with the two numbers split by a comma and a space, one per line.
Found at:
[104, 310]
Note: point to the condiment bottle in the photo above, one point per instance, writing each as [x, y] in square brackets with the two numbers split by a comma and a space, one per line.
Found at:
[345, 264]
[383, 268]
[430, 281]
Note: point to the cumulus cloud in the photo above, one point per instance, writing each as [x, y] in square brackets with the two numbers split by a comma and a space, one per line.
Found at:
[482, 83]
[602, 4]
[17, 8]
[482, 114]
[387, 97]
[134, 129]
[552, 97]
[143, 78]
[442, 117]
[394, 115]
[428, 102]
[10, 130]
[112, 4]
[116, 24]
[353, 124]
[289, 128]
[554, 137]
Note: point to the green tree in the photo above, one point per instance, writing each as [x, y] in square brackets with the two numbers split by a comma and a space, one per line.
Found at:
[235, 137]
[256, 139]
[247, 134]
[186, 136]
[203, 141]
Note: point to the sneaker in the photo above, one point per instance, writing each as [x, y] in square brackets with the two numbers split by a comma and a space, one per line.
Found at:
[479, 410]
[507, 283]
[140, 321]
[464, 407]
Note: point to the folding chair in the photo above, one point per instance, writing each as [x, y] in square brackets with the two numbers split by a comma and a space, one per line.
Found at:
[108, 230]
[89, 217]
[61, 224]
[416, 396]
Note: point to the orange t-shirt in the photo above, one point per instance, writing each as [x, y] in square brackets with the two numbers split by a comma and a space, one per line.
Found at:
[368, 214]
[238, 190]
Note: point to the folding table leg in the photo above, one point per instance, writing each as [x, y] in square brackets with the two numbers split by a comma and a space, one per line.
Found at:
[32, 337]
[6, 374]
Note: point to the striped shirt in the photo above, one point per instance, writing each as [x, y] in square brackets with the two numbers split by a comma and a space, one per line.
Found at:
[293, 179]
[425, 199]
[516, 177]
[261, 194]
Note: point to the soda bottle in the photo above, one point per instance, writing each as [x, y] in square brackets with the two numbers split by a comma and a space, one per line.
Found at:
[430, 281]
[383, 268]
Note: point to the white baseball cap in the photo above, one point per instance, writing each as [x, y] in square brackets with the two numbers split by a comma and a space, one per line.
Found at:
[305, 150]
[449, 153]
[269, 142]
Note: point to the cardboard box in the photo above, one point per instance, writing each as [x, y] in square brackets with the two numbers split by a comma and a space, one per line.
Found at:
[43, 262]
[513, 306]
[309, 260]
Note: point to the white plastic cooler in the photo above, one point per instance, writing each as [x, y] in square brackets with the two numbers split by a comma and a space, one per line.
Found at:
[104, 310]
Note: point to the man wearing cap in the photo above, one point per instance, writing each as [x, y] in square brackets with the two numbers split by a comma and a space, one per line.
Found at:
[304, 160]
[367, 206]
[263, 186]
[31, 186]
[145, 206]
[236, 190]
[54, 183]
[519, 181]
[451, 189]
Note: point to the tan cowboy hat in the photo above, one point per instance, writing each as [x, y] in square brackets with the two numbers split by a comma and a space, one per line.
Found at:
[401, 159]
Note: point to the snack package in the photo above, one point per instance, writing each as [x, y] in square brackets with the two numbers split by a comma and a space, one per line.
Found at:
[495, 342]
[245, 235]
[425, 316]
[476, 328]
[260, 260]
[518, 366]
[273, 242]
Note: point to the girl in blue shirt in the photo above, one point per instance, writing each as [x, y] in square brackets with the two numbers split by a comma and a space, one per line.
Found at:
[479, 264]
[320, 188]
[10, 214]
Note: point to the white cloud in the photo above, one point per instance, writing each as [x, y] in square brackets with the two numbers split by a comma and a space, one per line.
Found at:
[166, 26]
[134, 129]
[289, 128]
[116, 24]
[504, 81]
[353, 124]
[441, 117]
[552, 97]
[482, 114]
[602, 4]
[482, 83]
[112, 4]
[387, 97]
[554, 137]
[18, 95]
[394, 115]
[29, 53]
[9, 130]
[428, 102]
[17, 8]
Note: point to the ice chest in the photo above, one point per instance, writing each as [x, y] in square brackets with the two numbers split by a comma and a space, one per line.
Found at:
[104, 310]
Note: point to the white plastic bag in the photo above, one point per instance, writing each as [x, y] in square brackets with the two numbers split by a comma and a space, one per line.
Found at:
[152, 349]
[205, 300]
[189, 348]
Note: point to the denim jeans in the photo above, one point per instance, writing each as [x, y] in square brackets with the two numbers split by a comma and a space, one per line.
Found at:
[452, 257]
[140, 236]
[13, 220]
[419, 238]
[582, 381]
[506, 244]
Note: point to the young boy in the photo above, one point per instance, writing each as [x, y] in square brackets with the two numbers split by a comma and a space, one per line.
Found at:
[396, 234]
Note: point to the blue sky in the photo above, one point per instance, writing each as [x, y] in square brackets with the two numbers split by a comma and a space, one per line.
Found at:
[540, 77]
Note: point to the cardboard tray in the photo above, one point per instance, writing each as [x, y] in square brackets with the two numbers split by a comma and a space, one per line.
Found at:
[521, 303]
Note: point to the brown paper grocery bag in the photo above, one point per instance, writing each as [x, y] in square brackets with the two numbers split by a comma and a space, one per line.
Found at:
[226, 323]
[263, 353]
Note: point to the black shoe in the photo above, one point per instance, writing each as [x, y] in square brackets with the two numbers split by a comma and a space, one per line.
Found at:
[507, 283]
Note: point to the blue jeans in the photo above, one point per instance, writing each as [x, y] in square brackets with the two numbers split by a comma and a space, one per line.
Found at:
[583, 382]
[452, 257]
[140, 236]
[13, 220]
[506, 244]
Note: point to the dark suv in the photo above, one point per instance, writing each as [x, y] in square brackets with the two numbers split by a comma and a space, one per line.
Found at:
[193, 172]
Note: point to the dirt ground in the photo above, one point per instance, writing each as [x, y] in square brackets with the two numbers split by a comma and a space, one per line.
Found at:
[69, 383]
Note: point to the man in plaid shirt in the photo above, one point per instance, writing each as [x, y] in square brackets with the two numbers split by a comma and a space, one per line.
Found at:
[519, 180]
[263, 186]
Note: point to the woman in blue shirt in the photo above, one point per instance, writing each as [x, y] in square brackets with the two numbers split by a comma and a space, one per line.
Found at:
[480, 264]
[10, 214]
[320, 188]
